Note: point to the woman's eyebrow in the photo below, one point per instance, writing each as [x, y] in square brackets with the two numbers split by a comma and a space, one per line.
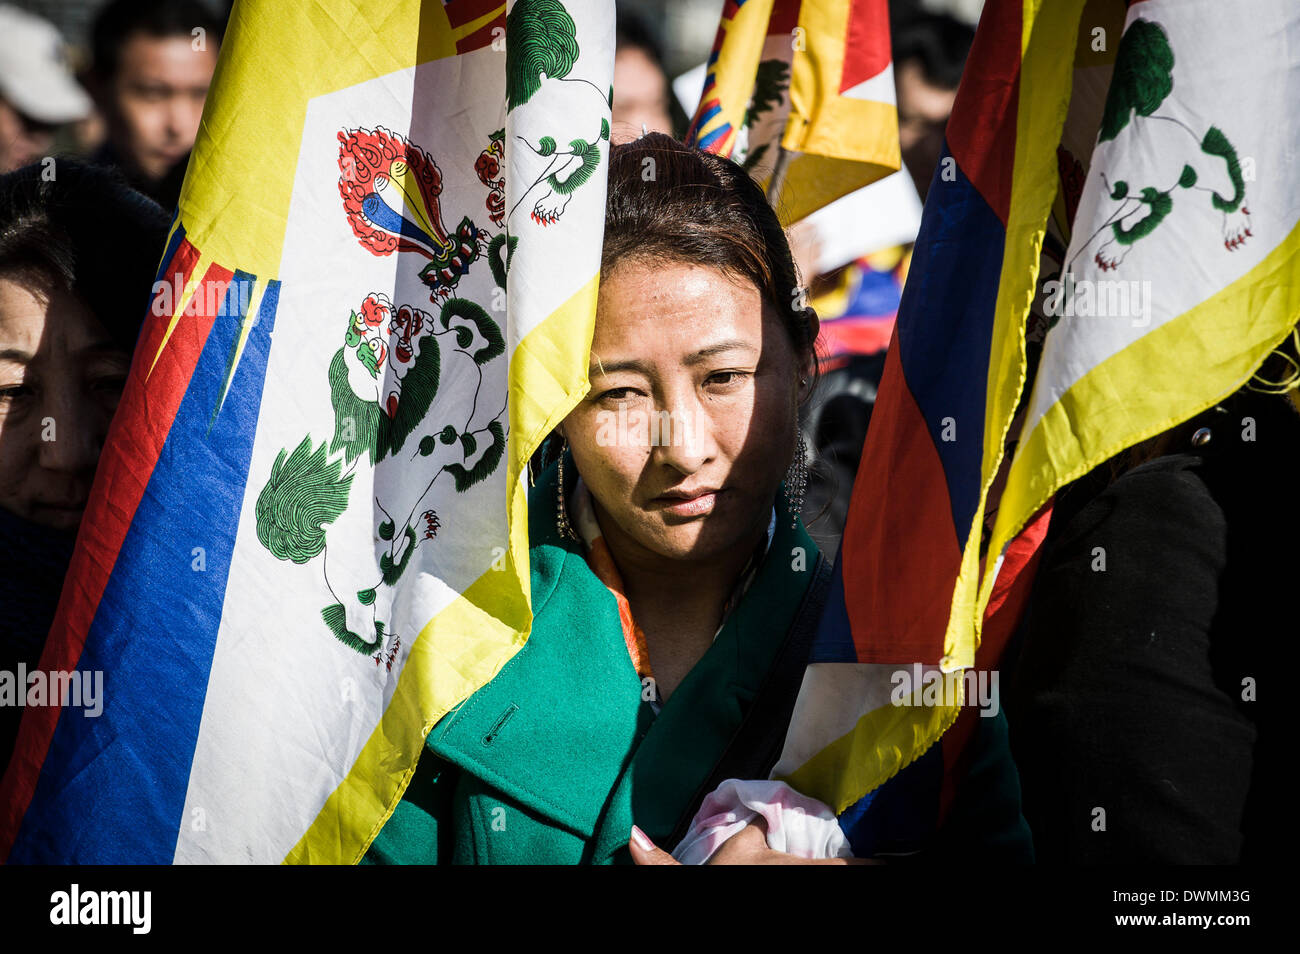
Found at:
[16, 355]
[733, 344]
[703, 354]
[613, 367]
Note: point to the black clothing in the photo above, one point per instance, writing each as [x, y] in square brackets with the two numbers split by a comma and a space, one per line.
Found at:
[165, 191]
[1154, 650]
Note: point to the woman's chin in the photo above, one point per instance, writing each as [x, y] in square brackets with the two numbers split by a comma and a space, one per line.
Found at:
[698, 540]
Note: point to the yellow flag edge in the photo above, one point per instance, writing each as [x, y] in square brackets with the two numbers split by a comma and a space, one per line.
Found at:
[1168, 395]
[828, 134]
[1048, 46]
[884, 742]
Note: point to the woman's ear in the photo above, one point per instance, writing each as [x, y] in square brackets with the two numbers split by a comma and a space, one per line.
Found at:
[809, 365]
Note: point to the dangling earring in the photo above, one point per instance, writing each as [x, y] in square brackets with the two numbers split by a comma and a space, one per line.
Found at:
[796, 480]
[562, 525]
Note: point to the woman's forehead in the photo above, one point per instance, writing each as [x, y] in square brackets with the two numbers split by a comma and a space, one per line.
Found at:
[676, 307]
[37, 319]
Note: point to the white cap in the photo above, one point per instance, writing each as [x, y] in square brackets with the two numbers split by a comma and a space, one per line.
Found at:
[34, 74]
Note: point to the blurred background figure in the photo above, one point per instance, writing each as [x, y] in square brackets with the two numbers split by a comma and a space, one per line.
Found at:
[37, 91]
[77, 258]
[930, 51]
[152, 63]
[641, 94]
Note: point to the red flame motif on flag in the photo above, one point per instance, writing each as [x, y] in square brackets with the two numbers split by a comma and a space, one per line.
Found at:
[390, 191]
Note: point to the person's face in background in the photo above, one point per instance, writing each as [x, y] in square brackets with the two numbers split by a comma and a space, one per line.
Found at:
[923, 110]
[23, 140]
[640, 95]
[60, 381]
[155, 100]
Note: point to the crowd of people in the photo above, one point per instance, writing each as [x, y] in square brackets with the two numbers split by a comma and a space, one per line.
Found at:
[1124, 688]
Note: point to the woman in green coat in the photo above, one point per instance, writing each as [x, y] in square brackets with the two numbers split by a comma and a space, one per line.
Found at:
[668, 561]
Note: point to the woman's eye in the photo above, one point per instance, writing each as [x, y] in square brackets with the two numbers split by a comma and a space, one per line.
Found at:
[727, 379]
[14, 392]
[618, 395]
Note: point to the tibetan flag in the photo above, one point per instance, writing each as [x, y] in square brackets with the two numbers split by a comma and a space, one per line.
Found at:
[901, 619]
[306, 540]
[1108, 249]
[1180, 274]
[802, 94]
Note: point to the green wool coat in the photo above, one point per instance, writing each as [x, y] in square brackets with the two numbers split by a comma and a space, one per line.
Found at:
[554, 760]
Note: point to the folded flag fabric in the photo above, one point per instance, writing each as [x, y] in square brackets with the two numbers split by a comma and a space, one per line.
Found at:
[802, 94]
[307, 536]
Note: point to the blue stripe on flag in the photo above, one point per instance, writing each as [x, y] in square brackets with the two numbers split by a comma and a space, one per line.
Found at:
[945, 326]
[155, 628]
[834, 640]
[709, 138]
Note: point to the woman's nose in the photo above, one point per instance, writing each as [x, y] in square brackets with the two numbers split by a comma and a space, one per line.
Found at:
[69, 434]
[685, 440]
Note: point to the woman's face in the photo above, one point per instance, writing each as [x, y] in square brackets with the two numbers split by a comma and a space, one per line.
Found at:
[691, 419]
[60, 381]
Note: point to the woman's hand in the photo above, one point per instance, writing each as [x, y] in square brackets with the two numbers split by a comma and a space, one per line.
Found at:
[746, 847]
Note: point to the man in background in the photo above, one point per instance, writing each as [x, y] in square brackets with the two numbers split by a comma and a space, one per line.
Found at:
[153, 63]
[929, 53]
[37, 91]
[641, 93]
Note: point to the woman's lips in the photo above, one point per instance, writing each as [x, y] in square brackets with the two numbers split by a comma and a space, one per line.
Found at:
[690, 506]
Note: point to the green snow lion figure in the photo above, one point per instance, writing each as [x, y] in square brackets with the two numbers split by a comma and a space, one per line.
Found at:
[1163, 162]
[563, 155]
[383, 384]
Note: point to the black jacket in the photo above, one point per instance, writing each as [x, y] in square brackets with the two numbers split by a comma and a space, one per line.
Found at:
[1145, 709]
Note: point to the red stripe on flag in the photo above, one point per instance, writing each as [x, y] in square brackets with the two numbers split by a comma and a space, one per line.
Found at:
[460, 12]
[899, 566]
[855, 335]
[482, 36]
[866, 43]
[131, 449]
[981, 132]
[1005, 609]
[785, 17]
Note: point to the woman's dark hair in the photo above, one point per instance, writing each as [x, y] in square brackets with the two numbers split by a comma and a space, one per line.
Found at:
[670, 202]
[68, 225]
[938, 42]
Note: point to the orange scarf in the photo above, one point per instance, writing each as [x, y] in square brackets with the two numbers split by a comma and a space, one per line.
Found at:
[602, 564]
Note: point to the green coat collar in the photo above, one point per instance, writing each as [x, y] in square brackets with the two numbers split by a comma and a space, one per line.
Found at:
[562, 729]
